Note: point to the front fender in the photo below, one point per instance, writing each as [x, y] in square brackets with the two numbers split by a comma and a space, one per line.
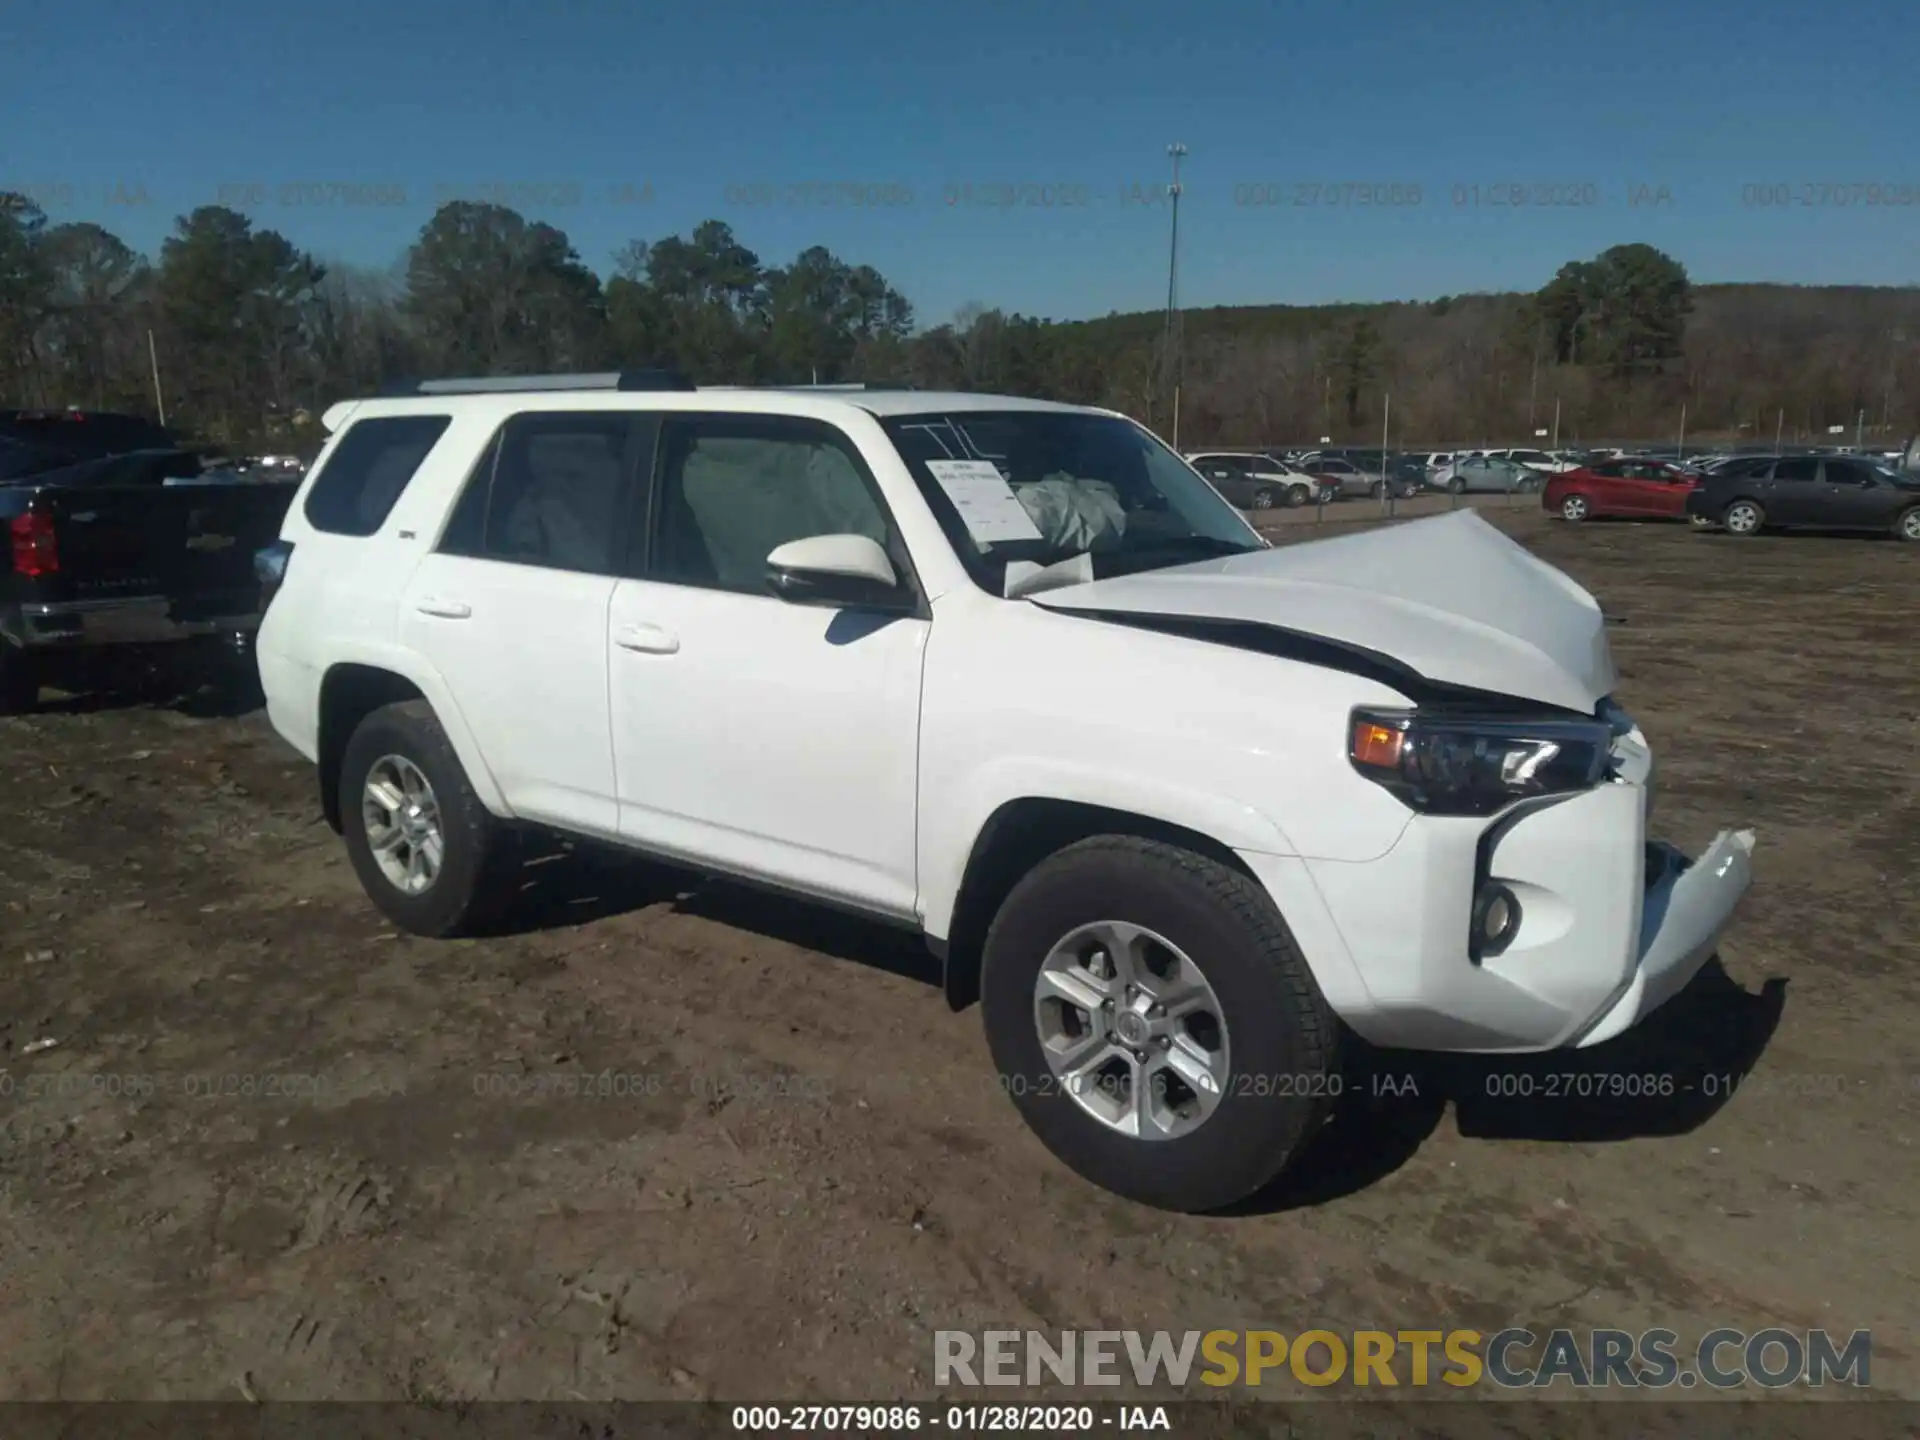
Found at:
[945, 850]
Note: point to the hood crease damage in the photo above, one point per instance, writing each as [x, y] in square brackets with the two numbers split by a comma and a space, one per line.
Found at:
[1446, 607]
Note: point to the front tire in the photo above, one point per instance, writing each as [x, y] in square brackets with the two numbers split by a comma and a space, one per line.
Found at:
[1263, 499]
[1907, 527]
[1457, 485]
[428, 853]
[1297, 496]
[1192, 1105]
[1744, 518]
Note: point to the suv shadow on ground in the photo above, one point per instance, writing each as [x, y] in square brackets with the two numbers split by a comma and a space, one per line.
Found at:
[209, 686]
[565, 883]
[1667, 1076]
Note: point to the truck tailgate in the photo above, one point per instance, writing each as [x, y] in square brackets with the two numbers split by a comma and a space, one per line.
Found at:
[192, 544]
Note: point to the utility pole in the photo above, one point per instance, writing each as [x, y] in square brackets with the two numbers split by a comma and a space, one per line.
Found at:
[153, 359]
[1680, 450]
[1171, 346]
[1886, 405]
[1386, 487]
[1859, 428]
[1533, 385]
[1779, 428]
[1556, 422]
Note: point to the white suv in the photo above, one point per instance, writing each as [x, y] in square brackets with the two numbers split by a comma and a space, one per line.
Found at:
[1176, 806]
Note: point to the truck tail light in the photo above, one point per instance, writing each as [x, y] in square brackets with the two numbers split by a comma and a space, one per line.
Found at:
[35, 551]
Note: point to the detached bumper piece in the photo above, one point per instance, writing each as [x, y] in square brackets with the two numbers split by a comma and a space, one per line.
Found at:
[1688, 905]
[143, 621]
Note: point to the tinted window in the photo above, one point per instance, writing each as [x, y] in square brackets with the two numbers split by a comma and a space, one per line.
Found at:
[733, 489]
[356, 491]
[1803, 468]
[1611, 469]
[1848, 472]
[549, 491]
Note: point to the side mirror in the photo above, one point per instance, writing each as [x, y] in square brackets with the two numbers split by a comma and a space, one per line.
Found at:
[845, 572]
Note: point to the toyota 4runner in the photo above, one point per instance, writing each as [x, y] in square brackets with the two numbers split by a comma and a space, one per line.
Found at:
[1181, 809]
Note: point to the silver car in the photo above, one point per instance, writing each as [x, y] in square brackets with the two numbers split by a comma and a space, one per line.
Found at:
[1480, 474]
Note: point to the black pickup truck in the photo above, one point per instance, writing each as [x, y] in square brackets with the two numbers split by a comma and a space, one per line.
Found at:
[117, 538]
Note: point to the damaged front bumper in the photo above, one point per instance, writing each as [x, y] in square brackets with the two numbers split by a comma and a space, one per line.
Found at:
[1688, 904]
[1610, 925]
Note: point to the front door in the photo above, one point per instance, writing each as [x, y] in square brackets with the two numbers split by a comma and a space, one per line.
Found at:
[769, 739]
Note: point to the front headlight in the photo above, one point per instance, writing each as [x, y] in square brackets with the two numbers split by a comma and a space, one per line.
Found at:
[1442, 764]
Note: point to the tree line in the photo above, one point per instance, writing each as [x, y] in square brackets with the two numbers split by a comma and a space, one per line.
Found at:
[249, 333]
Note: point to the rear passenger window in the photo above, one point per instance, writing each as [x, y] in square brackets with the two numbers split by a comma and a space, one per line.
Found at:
[1801, 468]
[356, 489]
[550, 490]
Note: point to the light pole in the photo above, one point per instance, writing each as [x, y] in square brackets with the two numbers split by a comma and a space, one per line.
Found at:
[1170, 348]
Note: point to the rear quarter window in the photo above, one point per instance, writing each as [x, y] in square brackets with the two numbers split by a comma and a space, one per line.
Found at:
[363, 478]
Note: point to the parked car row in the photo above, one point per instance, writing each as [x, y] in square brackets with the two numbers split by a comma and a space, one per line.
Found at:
[1745, 494]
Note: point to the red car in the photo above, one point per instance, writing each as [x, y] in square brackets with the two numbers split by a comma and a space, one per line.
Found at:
[1643, 489]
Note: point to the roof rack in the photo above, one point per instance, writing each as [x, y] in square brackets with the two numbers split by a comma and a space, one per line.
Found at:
[847, 386]
[510, 384]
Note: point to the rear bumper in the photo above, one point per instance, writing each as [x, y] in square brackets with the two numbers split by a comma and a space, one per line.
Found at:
[138, 620]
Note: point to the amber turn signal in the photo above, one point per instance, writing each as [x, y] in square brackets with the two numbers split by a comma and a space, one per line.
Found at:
[1377, 745]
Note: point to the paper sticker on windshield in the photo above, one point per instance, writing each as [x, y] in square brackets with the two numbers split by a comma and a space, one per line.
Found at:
[987, 505]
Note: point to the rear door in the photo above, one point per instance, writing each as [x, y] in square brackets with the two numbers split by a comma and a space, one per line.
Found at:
[1793, 495]
[511, 608]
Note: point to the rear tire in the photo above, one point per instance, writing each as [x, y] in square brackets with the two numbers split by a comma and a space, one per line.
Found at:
[1276, 1038]
[1575, 509]
[1263, 499]
[19, 681]
[1907, 527]
[1297, 496]
[1457, 485]
[1743, 518]
[473, 882]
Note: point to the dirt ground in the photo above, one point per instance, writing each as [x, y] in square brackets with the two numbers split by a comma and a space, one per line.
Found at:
[672, 1140]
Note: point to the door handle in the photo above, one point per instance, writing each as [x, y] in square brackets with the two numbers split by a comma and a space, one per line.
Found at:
[647, 639]
[445, 609]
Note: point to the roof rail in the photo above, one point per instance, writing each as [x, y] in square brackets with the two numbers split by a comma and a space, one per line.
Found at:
[847, 386]
[511, 384]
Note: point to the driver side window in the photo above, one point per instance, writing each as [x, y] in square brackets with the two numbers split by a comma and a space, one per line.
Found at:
[733, 489]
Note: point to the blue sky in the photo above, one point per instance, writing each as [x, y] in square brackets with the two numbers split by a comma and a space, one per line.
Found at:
[1309, 129]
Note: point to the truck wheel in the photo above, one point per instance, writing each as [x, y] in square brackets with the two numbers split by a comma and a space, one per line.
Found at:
[1153, 1021]
[427, 852]
[19, 681]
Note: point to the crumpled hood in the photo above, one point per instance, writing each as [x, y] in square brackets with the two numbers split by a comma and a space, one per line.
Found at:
[1450, 598]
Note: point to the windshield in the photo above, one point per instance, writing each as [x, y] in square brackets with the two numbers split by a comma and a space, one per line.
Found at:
[1033, 488]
